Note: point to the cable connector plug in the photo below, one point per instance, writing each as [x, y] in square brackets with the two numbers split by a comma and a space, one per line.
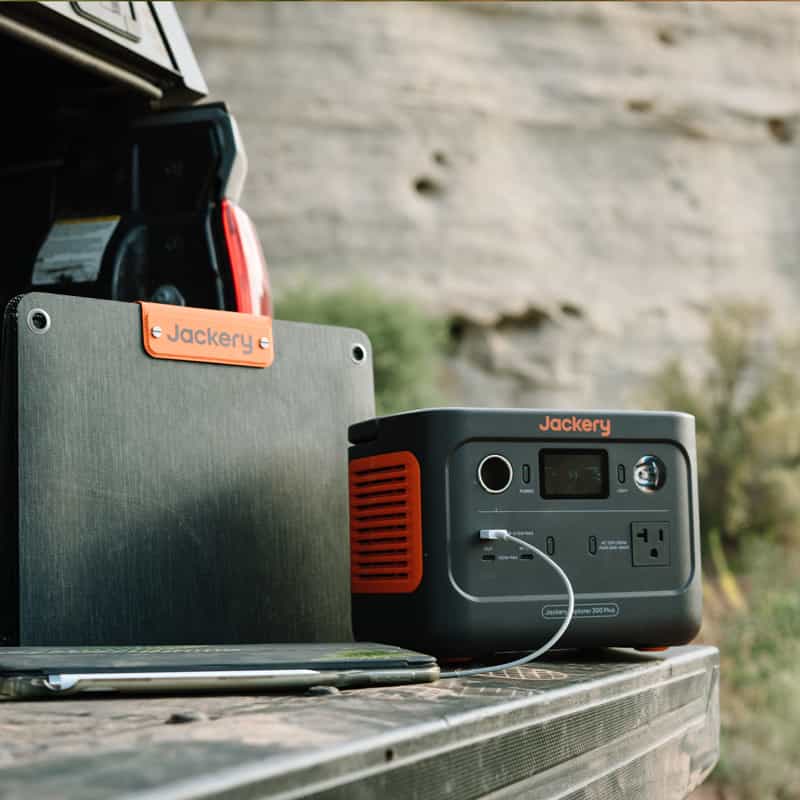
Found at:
[494, 534]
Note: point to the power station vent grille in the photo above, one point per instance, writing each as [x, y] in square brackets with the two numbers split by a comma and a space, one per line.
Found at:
[385, 524]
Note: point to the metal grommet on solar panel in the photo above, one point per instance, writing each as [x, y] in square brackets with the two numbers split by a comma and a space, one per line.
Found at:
[358, 353]
[38, 320]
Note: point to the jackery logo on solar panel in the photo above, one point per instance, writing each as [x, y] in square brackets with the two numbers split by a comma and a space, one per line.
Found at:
[182, 333]
[212, 337]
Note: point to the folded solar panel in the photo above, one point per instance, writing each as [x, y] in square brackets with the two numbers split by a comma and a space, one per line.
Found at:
[151, 501]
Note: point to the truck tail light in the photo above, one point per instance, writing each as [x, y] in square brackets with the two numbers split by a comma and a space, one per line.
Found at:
[248, 267]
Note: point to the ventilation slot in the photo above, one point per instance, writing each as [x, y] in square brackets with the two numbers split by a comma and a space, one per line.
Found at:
[385, 524]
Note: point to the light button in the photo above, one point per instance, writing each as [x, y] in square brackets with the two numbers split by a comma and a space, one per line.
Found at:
[649, 473]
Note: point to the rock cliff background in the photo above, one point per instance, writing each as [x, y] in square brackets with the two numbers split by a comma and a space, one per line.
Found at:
[575, 186]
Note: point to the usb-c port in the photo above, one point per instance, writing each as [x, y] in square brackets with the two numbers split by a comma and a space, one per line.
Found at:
[526, 556]
[488, 556]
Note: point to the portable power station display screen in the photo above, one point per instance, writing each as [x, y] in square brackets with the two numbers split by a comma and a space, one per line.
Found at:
[573, 474]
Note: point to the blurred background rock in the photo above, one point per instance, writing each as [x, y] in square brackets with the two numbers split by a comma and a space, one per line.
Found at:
[576, 205]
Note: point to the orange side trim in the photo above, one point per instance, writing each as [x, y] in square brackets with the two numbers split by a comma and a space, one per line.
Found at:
[202, 334]
[385, 524]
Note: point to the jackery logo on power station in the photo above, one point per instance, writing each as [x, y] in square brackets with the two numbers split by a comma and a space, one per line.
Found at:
[575, 424]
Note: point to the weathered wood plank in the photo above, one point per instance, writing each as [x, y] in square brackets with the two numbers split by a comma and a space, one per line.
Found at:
[533, 729]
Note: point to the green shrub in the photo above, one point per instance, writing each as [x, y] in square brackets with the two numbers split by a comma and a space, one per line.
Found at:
[407, 344]
[760, 693]
[747, 407]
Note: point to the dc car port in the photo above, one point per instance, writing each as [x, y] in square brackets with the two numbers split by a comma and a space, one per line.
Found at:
[495, 473]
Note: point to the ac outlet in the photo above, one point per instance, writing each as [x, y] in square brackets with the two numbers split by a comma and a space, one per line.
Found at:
[650, 543]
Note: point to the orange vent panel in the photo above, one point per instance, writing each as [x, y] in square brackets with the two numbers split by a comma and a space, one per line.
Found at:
[385, 524]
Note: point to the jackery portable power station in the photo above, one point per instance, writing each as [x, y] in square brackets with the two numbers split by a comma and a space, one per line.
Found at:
[611, 496]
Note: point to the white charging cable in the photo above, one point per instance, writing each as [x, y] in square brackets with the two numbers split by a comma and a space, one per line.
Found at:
[505, 536]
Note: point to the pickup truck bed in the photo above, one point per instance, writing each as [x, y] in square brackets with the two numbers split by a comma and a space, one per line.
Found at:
[608, 725]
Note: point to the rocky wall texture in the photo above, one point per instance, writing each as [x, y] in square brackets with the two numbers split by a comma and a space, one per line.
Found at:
[576, 185]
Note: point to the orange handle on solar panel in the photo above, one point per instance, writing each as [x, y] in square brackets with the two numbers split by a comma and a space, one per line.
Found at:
[207, 335]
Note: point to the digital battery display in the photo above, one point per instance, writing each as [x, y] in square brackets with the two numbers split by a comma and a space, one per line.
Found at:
[573, 474]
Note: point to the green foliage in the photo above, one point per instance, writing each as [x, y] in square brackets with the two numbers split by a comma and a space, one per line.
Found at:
[407, 344]
[760, 699]
[747, 407]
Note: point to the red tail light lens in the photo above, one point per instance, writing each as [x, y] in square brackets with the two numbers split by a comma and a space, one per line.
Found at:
[248, 267]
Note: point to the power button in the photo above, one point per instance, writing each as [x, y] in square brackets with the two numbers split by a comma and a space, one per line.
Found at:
[649, 473]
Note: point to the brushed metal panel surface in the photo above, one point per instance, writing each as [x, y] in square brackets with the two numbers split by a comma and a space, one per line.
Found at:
[175, 502]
